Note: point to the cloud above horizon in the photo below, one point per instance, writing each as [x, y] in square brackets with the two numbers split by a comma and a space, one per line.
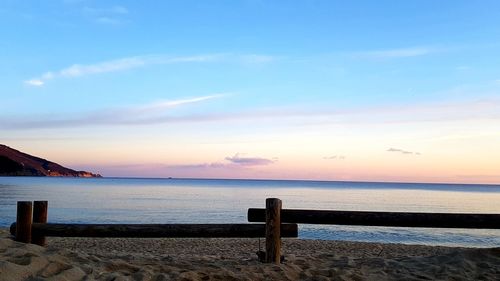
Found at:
[335, 157]
[133, 115]
[128, 63]
[397, 53]
[248, 161]
[402, 151]
[161, 105]
[155, 114]
[235, 161]
[232, 162]
[78, 70]
[114, 15]
[222, 169]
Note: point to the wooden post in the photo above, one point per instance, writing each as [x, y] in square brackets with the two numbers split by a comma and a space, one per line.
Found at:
[40, 209]
[23, 221]
[273, 226]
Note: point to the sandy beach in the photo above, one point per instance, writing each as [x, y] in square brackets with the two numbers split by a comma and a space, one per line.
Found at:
[235, 259]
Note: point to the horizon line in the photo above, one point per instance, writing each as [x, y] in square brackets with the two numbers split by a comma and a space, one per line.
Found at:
[298, 180]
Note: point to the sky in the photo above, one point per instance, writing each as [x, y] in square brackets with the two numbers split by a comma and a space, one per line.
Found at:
[405, 91]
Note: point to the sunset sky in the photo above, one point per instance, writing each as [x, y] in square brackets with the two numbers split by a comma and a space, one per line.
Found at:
[326, 90]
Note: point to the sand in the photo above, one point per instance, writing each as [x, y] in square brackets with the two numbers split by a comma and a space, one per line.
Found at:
[235, 259]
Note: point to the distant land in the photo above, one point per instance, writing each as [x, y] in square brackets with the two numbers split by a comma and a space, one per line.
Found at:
[17, 163]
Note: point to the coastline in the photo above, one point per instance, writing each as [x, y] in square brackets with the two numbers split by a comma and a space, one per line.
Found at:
[235, 259]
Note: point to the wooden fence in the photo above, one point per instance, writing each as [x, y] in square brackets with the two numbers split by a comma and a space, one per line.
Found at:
[31, 224]
[31, 227]
[274, 217]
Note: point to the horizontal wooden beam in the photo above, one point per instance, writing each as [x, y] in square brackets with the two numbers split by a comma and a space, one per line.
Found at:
[157, 230]
[436, 220]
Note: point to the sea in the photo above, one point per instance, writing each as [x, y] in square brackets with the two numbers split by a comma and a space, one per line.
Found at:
[144, 200]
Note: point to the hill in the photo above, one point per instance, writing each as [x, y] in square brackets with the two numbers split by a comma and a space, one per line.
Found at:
[17, 163]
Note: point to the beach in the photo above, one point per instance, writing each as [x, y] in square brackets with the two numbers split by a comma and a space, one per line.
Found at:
[236, 259]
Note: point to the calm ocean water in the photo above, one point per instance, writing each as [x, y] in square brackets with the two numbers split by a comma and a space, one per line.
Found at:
[121, 200]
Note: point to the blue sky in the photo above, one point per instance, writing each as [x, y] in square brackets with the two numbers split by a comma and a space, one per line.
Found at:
[90, 76]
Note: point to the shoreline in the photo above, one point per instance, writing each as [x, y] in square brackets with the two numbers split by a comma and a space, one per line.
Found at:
[236, 259]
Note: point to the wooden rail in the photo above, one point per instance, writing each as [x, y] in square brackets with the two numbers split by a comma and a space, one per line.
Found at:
[436, 220]
[156, 230]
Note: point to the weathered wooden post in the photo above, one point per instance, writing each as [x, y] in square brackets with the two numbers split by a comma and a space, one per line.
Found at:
[273, 226]
[24, 221]
[40, 209]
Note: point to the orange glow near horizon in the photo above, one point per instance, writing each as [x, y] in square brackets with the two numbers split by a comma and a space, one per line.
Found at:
[440, 151]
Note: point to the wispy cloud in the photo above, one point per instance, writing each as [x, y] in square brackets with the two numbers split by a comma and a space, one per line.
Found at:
[156, 114]
[214, 165]
[402, 151]
[35, 82]
[107, 20]
[232, 162]
[220, 169]
[114, 15]
[248, 161]
[257, 59]
[78, 70]
[135, 115]
[161, 105]
[335, 157]
[397, 53]
[119, 10]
